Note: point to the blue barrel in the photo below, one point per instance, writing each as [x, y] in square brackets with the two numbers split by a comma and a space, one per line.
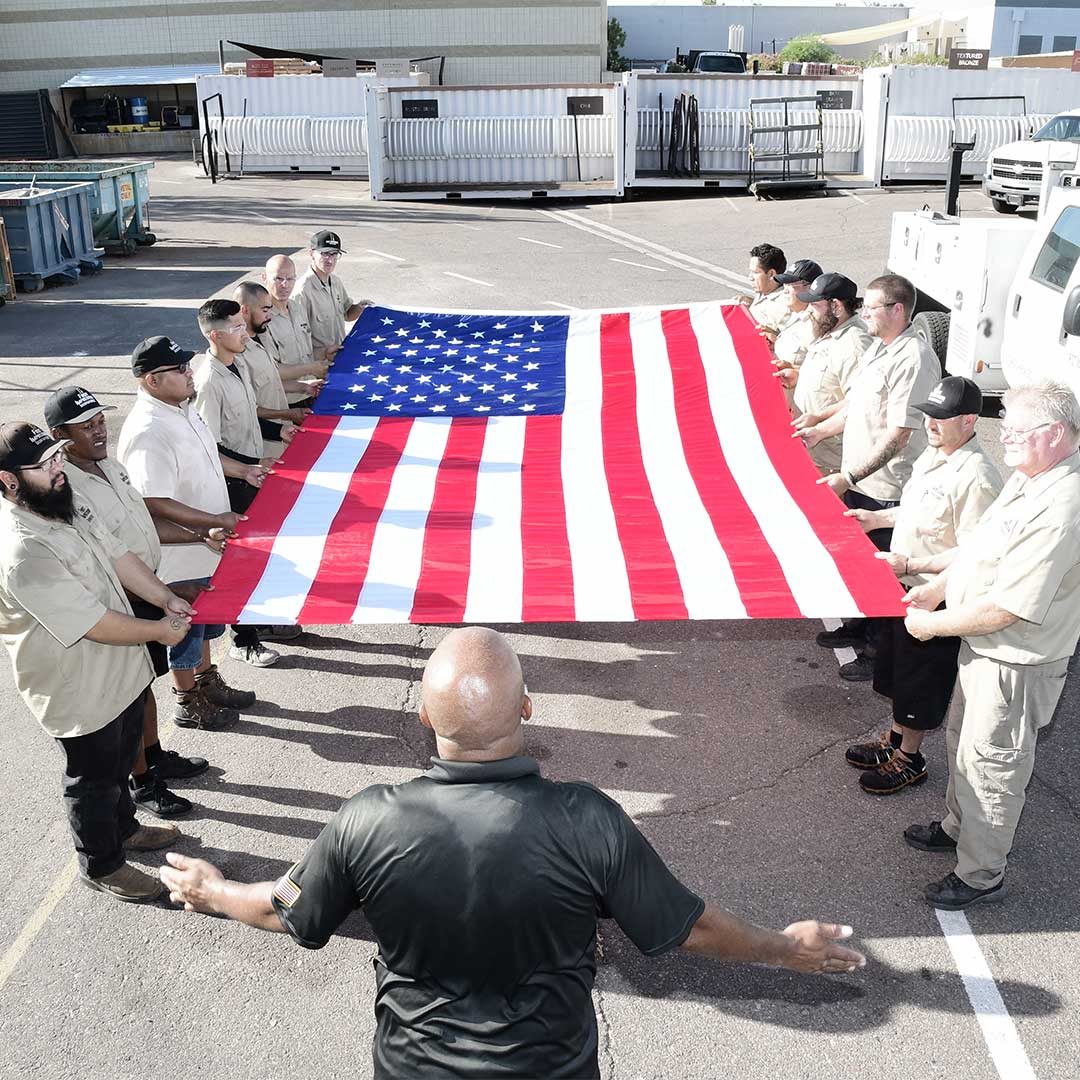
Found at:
[140, 113]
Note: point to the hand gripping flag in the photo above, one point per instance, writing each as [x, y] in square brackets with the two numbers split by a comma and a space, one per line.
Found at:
[526, 468]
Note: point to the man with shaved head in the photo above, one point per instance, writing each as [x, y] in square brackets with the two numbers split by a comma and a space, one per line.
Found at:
[287, 338]
[483, 883]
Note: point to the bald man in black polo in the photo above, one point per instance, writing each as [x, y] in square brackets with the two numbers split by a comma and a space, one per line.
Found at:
[483, 883]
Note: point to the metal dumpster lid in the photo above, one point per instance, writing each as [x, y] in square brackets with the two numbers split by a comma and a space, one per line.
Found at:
[17, 195]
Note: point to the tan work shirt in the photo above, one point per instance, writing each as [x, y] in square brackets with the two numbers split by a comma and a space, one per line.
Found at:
[265, 382]
[119, 508]
[57, 581]
[770, 309]
[794, 338]
[1024, 556]
[227, 405]
[943, 500]
[325, 307]
[889, 382]
[824, 379]
[288, 339]
[169, 453]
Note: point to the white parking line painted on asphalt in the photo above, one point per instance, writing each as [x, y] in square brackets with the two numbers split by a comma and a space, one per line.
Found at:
[732, 203]
[475, 281]
[384, 255]
[845, 655]
[998, 1030]
[57, 890]
[192, 304]
[851, 195]
[644, 266]
[272, 220]
[542, 243]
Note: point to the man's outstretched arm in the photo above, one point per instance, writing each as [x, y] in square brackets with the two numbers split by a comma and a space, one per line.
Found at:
[804, 946]
[201, 886]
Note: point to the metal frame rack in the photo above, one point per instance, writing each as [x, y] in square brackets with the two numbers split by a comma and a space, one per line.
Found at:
[787, 178]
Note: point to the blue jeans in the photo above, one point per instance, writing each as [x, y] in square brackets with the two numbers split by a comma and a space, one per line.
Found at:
[188, 654]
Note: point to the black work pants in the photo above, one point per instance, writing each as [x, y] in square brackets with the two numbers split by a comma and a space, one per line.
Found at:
[96, 796]
[919, 676]
[241, 496]
[881, 539]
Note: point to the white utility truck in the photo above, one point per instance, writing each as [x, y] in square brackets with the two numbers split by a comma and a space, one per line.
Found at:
[998, 298]
[1017, 171]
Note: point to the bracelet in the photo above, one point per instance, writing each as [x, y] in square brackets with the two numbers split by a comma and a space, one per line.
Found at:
[846, 474]
[907, 566]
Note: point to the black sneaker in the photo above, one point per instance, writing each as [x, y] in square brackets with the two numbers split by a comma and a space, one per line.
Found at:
[900, 772]
[171, 766]
[871, 755]
[843, 637]
[930, 837]
[154, 797]
[861, 669]
[952, 894]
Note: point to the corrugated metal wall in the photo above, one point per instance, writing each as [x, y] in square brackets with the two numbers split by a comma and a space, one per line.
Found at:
[26, 125]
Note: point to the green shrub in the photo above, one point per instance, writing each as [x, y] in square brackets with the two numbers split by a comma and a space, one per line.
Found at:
[809, 48]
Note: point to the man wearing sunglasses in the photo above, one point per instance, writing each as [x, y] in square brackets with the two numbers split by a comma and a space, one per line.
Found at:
[78, 651]
[1012, 593]
[325, 299]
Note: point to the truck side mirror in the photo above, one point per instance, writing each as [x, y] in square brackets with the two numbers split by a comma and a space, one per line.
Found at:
[1070, 319]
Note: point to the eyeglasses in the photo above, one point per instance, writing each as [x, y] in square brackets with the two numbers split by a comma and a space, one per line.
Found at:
[55, 461]
[182, 366]
[1009, 434]
[328, 254]
[879, 307]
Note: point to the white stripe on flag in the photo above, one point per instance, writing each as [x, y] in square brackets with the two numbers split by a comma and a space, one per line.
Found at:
[298, 547]
[815, 582]
[495, 560]
[708, 585]
[397, 547]
[601, 585]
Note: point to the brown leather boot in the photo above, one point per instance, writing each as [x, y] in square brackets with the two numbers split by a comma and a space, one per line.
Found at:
[194, 709]
[219, 692]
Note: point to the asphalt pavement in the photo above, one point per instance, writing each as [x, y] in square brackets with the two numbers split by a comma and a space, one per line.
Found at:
[724, 740]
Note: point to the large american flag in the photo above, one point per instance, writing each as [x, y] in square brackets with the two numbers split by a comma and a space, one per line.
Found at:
[520, 468]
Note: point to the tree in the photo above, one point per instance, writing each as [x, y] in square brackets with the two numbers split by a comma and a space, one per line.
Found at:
[807, 48]
[616, 39]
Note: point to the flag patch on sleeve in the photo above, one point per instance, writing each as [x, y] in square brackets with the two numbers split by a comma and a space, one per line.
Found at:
[286, 891]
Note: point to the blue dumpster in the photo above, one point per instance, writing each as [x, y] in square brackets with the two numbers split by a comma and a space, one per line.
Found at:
[119, 201]
[49, 233]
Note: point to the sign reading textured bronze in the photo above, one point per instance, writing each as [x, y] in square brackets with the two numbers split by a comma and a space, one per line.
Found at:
[968, 59]
[419, 108]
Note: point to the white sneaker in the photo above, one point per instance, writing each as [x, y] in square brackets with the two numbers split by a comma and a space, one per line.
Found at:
[257, 655]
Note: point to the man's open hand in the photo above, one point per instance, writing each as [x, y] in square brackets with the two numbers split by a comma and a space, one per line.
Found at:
[191, 882]
[815, 949]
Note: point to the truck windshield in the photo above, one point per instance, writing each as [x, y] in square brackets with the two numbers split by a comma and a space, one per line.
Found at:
[1060, 129]
[721, 63]
[1059, 253]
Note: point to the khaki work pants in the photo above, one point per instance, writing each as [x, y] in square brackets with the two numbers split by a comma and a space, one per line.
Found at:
[995, 717]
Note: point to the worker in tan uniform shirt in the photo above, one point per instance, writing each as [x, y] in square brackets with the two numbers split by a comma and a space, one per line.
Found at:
[78, 652]
[831, 360]
[1012, 592]
[271, 400]
[952, 485]
[790, 342]
[288, 336]
[768, 305]
[325, 299]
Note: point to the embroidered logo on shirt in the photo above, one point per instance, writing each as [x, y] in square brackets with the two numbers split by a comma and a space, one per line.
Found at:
[286, 891]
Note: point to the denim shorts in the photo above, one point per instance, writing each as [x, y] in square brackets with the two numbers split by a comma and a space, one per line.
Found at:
[188, 654]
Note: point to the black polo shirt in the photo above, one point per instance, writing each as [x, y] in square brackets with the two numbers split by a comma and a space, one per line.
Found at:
[483, 884]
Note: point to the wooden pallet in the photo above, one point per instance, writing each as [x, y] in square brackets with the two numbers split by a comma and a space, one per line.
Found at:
[7, 273]
[281, 67]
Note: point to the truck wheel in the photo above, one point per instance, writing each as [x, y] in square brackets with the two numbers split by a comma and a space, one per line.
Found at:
[1004, 207]
[933, 328]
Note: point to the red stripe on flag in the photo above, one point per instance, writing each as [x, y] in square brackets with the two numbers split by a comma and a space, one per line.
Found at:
[655, 589]
[870, 582]
[246, 555]
[336, 589]
[443, 583]
[548, 578]
[763, 589]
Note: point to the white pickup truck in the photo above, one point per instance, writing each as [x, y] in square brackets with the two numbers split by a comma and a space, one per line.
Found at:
[1016, 172]
[999, 298]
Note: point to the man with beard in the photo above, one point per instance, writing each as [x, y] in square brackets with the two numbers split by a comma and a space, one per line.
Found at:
[952, 485]
[103, 489]
[271, 401]
[832, 358]
[288, 336]
[326, 302]
[78, 651]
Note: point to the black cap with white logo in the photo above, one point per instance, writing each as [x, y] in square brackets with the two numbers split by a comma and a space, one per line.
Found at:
[24, 444]
[72, 405]
[953, 396]
[325, 240]
[804, 270]
[829, 287]
[158, 352]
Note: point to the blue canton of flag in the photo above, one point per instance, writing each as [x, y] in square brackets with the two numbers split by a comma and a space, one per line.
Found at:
[408, 363]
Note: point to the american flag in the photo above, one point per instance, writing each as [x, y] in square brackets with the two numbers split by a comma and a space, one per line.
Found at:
[529, 468]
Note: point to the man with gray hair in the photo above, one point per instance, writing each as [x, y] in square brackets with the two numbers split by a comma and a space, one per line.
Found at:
[1012, 593]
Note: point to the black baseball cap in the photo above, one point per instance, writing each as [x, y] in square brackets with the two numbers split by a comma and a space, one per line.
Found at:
[325, 240]
[158, 352]
[803, 270]
[72, 405]
[23, 444]
[829, 287]
[953, 396]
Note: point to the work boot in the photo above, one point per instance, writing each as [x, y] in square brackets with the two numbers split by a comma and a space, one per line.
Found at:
[861, 669]
[953, 894]
[257, 655]
[898, 773]
[843, 637]
[150, 793]
[217, 691]
[872, 755]
[930, 837]
[128, 884]
[152, 837]
[194, 710]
